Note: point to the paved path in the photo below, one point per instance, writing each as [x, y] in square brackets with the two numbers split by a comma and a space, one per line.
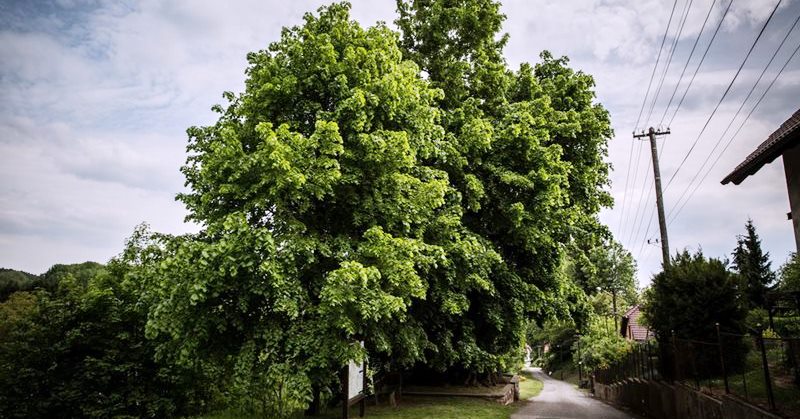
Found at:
[560, 400]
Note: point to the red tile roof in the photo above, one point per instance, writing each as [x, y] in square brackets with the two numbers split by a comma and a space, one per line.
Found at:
[635, 330]
[785, 137]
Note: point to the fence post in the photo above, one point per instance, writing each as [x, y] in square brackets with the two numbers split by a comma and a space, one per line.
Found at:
[722, 361]
[767, 380]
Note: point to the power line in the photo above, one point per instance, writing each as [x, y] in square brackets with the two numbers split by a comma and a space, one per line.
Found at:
[636, 219]
[688, 60]
[724, 95]
[644, 212]
[685, 15]
[638, 118]
[649, 224]
[730, 124]
[635, 175]
[702, 59]
[674, 3]
[735, 135]
[625, 195]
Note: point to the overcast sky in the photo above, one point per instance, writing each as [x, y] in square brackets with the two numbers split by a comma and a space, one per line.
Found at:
[95, 98]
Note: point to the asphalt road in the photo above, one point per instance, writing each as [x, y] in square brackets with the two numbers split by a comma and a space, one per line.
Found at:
[560, 400]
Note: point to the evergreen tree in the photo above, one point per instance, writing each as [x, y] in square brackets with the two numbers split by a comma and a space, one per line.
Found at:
[753, 266]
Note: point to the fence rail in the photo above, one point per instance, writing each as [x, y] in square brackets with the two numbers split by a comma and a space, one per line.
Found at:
[764, 371]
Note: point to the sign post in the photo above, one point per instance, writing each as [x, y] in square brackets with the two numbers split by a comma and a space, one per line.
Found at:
[354, 385]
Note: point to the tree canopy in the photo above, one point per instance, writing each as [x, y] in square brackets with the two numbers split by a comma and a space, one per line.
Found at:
[409, 191]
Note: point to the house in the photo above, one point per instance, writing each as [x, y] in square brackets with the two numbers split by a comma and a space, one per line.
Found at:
[784, 142]
[631, 329]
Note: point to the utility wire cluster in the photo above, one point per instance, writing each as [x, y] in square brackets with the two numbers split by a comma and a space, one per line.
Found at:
[664, 60]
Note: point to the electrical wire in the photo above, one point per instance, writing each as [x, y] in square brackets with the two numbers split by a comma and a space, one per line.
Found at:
[638, 118]
[702, 59]
[637, 221]
[724, 95]
[635, 175]
[688, 60]
[684, 15]
[658, 58]
[736, 134]
[738, 111]
[625, 195]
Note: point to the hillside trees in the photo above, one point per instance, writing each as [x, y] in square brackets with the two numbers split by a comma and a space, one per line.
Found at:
[78, 350]
[12, 281]
[344, 198]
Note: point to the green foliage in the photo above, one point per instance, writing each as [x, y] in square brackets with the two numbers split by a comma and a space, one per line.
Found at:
[80, 351]
[12, 281]
[789, 275]
[599, 347]
[344, 197]
[753, 266]
[757, 318]
[689, 298]
[605, 269]
[529, 386]
[559, 336]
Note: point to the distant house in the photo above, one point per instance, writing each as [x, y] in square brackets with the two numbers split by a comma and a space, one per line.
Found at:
[785, 142]
[631, 329]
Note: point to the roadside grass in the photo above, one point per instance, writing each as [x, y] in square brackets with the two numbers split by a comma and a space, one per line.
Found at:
[528, 386]
[417, 407]
[420, 407]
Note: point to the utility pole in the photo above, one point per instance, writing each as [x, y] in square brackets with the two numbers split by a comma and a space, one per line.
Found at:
[662, 222]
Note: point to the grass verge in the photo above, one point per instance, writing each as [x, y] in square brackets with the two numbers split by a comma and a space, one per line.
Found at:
[421, 407]
[528, 386]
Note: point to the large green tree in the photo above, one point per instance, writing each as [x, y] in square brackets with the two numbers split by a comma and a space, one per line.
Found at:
[753, 266]
[503, 128]
[360, 189]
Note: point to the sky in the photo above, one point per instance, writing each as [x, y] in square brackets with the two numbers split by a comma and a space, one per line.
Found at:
[95, 99]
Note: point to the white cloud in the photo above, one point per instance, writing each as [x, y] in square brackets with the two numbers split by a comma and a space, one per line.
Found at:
[96, 97]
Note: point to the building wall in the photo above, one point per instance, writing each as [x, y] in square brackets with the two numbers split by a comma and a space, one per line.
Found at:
[791, 164]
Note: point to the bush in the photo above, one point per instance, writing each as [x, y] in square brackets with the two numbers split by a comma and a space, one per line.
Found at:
[600, 348]
[689, 298]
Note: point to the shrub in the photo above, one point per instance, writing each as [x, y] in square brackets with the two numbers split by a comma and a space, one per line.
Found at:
[688, 298]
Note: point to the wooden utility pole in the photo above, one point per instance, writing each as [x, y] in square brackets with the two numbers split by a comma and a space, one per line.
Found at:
[662, 221]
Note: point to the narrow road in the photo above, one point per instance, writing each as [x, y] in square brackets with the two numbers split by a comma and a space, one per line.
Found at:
[560, 400]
